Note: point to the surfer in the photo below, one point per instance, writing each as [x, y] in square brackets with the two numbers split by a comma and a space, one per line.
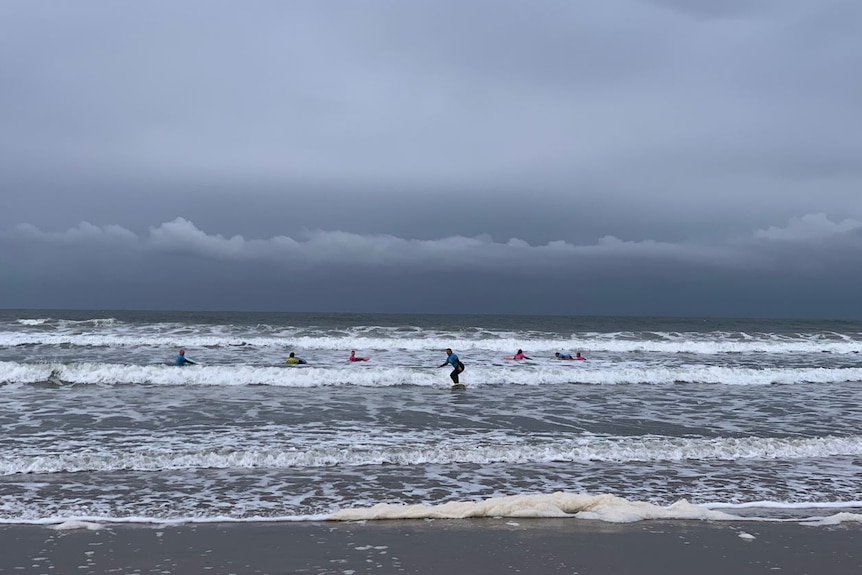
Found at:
[520, 355]
[293, 360]
[579, 357]
[354, 358]
[182, 359]
[559, 355]
[452, 359]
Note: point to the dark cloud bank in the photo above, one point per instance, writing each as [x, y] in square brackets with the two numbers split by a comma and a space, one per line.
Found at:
[805, 269]
[614, 157]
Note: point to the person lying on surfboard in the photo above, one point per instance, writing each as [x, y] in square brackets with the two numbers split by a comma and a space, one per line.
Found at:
[518, 356]
[182, 359]
[451, 358]
[578, 356]
[354, 358]
[293, 360]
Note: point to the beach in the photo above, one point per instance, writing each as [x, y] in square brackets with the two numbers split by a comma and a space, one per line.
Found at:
[478, 547]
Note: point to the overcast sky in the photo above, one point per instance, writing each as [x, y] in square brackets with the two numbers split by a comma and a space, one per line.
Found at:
[647, 157]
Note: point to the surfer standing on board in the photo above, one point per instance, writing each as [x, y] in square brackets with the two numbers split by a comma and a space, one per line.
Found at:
[451, 358]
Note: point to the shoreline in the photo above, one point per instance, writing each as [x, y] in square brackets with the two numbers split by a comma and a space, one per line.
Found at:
[424, 547]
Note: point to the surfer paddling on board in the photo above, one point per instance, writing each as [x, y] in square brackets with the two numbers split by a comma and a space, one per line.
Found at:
[354, 358]
[578, 356]
[452, 359]
[519, 355]
[293, 360]
[182, 359]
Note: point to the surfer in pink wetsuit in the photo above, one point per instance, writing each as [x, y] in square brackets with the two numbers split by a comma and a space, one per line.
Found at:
[579, 357]
[354, 358]
[519, 355]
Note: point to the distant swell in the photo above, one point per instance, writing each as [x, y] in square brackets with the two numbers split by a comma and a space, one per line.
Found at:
[92, 334]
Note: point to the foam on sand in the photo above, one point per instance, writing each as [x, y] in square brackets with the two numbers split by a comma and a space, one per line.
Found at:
[75, 525]
[836, 519]
[603, 507]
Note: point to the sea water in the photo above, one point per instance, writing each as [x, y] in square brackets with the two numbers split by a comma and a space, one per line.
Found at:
[667, 417]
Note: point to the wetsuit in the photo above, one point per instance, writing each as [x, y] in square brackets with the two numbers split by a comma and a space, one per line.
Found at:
[565, 356]
[456, 363]
[181, 360]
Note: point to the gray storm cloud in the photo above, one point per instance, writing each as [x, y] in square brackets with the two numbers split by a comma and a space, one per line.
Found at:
[436, 91]
[324, 248]
[810, 226]
[629, 151]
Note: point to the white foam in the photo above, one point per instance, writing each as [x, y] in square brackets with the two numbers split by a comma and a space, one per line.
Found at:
[559, 505]
[108, 332]
[556, 505]
[357, 449]
[424, 375]
[40, 321]
[785, 505]
[72, 525]
[835, 519]
[99, 522]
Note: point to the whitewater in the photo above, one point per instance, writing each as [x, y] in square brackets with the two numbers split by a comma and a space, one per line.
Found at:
[667, 418]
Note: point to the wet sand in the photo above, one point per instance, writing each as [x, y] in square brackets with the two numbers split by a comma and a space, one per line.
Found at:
[480, 547]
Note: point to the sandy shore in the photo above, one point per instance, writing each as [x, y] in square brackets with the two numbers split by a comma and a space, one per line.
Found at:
[479, 547]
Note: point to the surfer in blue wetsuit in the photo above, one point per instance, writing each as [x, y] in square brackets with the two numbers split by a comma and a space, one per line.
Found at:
[563, 355]
[452, 359]
[182, 359]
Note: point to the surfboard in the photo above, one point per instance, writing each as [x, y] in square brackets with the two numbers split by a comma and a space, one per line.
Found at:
[458, 387]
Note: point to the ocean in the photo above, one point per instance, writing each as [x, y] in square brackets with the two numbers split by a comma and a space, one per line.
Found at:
[755, 420]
